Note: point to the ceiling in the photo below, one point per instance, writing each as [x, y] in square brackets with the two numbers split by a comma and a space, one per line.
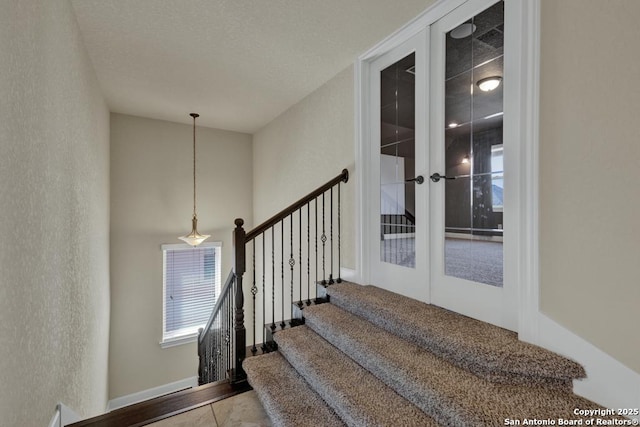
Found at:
[239, 63]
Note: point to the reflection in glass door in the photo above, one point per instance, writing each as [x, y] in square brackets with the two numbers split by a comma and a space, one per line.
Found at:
[397, 163]
[474, 148]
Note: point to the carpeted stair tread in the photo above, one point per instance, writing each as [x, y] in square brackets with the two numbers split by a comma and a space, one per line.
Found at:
[449, 394]
[358, 397]
[285, 395]
[488, 351]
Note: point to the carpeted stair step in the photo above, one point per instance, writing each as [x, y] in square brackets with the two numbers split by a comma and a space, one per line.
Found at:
[358, 397]
[451, 395]
[488, 351]
[285, 395]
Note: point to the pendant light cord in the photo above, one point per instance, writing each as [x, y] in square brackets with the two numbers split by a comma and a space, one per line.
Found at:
[194, 162]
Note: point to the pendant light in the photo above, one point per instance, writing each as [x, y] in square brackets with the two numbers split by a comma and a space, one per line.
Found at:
[194, 238]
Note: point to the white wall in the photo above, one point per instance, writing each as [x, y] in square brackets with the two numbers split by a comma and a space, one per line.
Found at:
[54, 205]
[305, 147]
[152, 204]
[589, 160]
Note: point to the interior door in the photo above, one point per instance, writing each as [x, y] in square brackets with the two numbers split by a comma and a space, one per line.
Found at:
[398, 224]
[466, 157]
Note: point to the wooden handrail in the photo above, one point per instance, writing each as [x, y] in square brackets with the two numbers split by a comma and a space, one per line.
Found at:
[343, 177]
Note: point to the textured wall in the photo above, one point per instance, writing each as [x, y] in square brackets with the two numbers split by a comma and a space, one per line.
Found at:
[151, 204]
[54, 205]
[305, 147]
[590, 152]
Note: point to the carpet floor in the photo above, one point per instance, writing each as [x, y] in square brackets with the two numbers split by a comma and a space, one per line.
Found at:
[474, 260]
[374, 358]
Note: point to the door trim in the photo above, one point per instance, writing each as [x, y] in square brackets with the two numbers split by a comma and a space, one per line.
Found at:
[523, 19]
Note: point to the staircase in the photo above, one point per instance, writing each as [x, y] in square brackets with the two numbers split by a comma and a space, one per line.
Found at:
[370, 357]
[323, 352]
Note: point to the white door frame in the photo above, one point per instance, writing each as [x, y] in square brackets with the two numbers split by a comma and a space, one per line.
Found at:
[522, 23]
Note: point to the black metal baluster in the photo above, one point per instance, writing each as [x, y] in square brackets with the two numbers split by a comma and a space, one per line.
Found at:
[273, 280]
[212, 360]
[221, 345]
[300, 304]
[395, 239]
[382, 228]
[207, 358]
[292, 262]
[316, 239]
[403, 242]
[331, 234]
[254, 291]
[227, 339]
[215, 354]
[282, 324]
[223, 323]
[308, 254]
[323, 238]
[230, 335]
[199, 344]
[264, 299]
[211, 367]
[339, 242]
[218, 351]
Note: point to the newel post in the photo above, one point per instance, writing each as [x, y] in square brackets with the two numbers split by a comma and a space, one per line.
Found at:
[239, 252]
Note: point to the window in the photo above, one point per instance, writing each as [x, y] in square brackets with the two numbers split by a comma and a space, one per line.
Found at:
[497, 177]
[191, 284]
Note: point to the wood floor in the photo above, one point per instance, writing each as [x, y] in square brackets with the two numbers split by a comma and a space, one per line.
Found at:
[144, 413]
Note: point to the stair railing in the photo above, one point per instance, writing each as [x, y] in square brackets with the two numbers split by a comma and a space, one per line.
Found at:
[301, 237]
[216, 339]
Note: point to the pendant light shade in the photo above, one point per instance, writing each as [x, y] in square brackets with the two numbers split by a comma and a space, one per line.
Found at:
[194, 238]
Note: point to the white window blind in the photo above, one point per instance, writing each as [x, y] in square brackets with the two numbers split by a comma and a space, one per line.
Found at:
[191, 287]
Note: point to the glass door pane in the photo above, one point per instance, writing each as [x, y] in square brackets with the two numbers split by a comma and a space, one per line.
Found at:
[473, 148]
[397, 163]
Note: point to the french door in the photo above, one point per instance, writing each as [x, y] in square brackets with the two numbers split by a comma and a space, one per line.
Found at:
[467, 148]
[397, 219]
[439, 230]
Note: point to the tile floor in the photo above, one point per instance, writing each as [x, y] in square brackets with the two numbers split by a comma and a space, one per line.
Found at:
[242, 410]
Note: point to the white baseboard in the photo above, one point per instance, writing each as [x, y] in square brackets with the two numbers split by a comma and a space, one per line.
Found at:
[608, 382]
[63, 416]
[55, 420]
[141, 396]
[350, 275]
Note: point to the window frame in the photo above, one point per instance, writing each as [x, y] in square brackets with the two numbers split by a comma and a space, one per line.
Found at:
[174, 339]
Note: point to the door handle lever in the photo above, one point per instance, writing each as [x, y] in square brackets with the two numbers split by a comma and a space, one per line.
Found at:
[418, 179]
[436, 177]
